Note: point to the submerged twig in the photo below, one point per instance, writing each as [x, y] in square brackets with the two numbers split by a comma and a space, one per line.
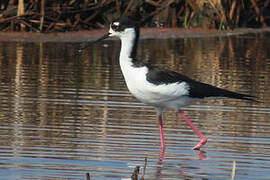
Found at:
[88, 176]
[144, 168]
[135, 173]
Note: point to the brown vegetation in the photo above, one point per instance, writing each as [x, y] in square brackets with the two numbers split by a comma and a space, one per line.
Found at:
[74, 15]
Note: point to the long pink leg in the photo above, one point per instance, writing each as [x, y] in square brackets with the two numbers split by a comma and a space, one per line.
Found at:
[203, 140]
[162, 140]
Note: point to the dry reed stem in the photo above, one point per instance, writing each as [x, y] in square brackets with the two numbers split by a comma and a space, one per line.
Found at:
[232, 10]
[20, 12]
[257, 10]
[42, 13]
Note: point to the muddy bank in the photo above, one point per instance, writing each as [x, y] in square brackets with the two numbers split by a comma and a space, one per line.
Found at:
[146, 33]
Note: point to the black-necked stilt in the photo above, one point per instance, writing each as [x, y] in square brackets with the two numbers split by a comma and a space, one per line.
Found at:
[162, 89]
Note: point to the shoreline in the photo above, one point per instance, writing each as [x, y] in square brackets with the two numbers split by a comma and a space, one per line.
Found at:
[146, 33]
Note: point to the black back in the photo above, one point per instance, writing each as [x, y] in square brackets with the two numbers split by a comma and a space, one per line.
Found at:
[197, 89]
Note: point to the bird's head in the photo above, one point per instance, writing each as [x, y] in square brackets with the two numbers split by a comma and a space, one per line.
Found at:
[121, 28]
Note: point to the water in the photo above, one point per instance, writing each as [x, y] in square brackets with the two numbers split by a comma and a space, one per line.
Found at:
[64, 115]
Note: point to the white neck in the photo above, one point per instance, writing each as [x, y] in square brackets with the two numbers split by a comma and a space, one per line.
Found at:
[127, 43]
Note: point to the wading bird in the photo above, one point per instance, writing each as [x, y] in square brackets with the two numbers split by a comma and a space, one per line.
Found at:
[160, 88]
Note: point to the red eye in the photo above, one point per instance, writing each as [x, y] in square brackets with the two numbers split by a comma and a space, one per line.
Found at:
[115, 27]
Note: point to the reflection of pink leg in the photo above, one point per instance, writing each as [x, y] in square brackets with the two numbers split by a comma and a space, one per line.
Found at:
[203, 140]
[162, 140]
[161, 155]
[202, 155]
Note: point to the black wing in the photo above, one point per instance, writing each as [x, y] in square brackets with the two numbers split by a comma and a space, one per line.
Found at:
[197, 89]
[159, 76]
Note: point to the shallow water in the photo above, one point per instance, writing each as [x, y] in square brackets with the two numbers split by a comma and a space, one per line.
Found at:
[63, 115]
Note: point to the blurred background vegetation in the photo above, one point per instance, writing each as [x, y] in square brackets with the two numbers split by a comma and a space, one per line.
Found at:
[74, 15]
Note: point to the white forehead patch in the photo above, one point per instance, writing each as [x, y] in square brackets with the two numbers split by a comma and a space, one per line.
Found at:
[116, 23]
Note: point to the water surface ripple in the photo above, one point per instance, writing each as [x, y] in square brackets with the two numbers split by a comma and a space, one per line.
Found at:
[63, 114]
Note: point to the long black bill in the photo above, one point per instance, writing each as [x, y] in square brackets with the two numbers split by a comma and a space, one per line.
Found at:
[86, 44]
[103, 37]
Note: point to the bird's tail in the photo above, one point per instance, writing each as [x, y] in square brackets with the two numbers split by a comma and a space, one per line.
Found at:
[230, 94]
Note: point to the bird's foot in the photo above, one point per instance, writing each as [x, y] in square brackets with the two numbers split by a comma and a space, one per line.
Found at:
[202, 142]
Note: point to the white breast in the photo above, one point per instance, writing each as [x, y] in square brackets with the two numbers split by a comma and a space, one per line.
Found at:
[172, 95]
